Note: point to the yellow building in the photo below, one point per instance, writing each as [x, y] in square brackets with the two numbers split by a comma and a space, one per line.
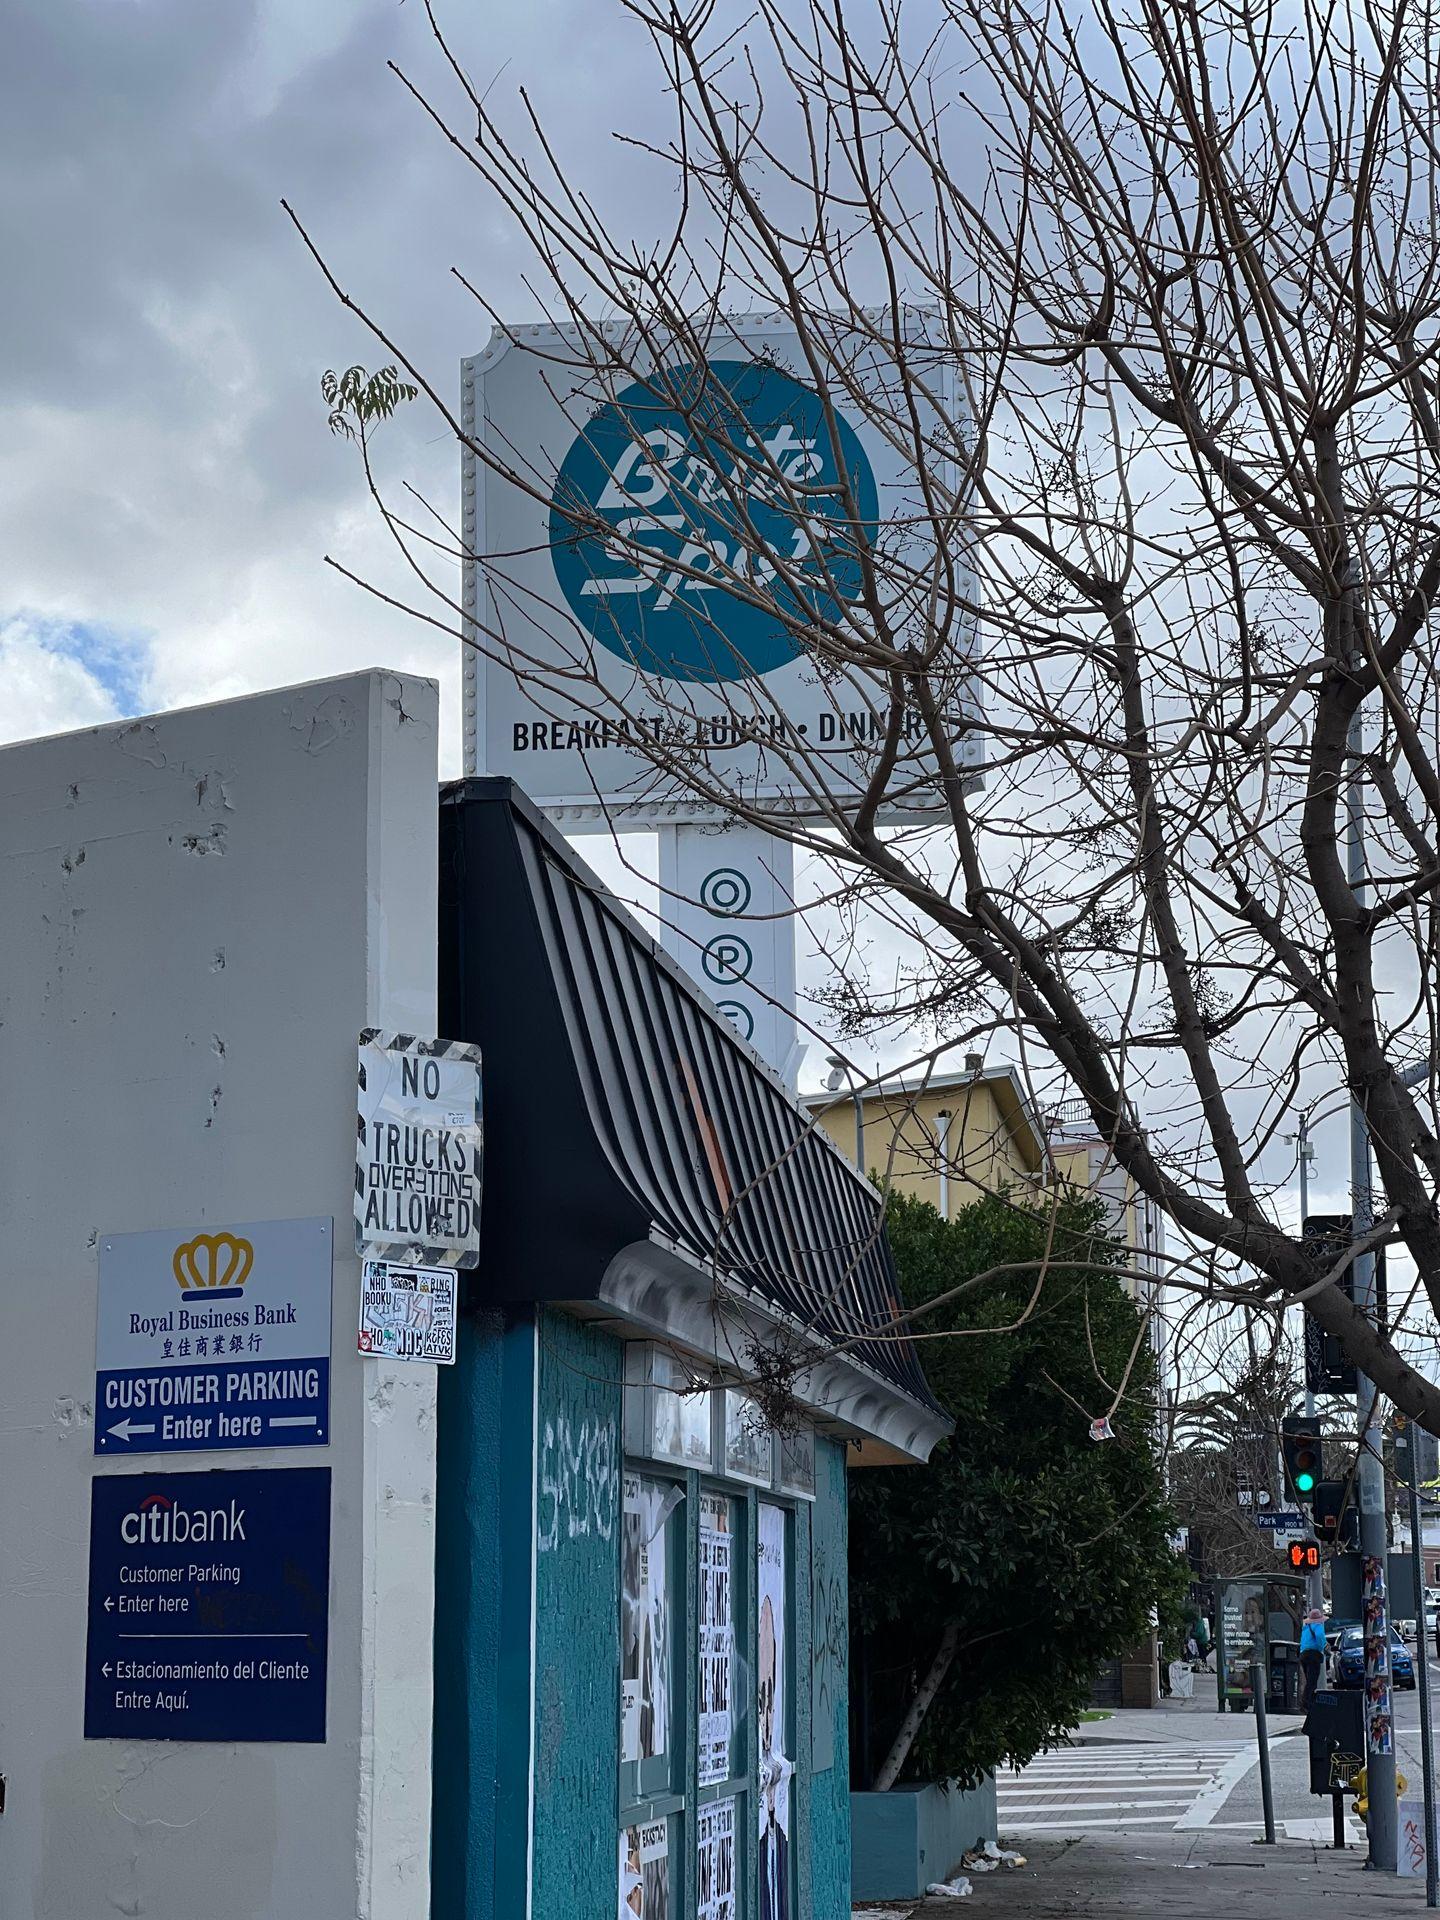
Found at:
[948, 1137]
[951, 1137]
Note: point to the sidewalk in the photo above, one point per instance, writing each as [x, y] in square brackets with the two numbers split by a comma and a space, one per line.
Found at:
[1185, 1720]
[1182, 1876]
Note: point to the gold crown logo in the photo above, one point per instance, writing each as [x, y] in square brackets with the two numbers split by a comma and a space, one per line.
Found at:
[215, 1263]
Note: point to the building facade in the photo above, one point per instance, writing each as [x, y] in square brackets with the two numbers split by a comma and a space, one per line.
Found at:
[950, 1138]
[663, 1233]
[563, 1621]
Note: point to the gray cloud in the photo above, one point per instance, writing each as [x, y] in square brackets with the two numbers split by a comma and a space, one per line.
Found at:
[164, 463]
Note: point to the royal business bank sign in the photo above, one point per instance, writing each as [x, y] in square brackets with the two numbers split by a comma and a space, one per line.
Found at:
[674, 537]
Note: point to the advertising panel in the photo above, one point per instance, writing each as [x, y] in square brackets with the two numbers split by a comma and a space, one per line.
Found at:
[658, 539]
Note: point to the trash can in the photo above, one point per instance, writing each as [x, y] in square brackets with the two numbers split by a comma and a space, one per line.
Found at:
[1287, 1679]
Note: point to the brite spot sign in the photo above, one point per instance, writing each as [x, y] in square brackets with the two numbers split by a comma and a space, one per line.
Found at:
[698, 467]
[649, 543]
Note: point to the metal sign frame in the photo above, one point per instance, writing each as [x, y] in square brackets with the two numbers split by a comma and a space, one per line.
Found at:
[532, 395]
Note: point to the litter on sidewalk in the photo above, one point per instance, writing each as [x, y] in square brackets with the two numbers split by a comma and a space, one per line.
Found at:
[987, 1858]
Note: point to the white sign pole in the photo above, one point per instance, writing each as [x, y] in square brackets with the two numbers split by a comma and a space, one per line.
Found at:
[727, 912]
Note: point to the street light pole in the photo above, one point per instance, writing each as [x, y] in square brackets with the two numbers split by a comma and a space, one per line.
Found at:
[1382, 1822]
[1315, 1579]
[1405, 1450]
[841, 1074]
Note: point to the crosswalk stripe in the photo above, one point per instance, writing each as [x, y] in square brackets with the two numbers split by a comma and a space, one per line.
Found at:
[1069, 1826]
[1171, 1809]
[1123, 1785]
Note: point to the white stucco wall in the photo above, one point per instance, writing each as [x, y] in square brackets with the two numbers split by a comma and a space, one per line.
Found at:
[198, 914]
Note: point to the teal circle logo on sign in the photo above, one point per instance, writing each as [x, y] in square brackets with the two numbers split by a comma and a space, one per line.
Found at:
[678, 465]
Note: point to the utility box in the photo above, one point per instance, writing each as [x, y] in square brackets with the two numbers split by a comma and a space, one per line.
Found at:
[1335, 1729]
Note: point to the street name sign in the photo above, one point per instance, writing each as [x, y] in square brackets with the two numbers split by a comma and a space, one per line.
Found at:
[207, 1341]
[208, 1605]
[1281, 1522]
[417, 1151]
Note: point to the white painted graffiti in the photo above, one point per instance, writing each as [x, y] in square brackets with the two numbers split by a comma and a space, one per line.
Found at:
[579, 1478]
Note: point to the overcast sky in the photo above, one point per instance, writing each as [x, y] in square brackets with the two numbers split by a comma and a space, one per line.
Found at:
[168, 485]
[168, 488]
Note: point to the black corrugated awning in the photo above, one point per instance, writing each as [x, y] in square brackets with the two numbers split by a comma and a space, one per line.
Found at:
[621, 1106]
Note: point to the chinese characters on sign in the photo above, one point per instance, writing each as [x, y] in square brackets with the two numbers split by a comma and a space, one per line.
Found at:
[207, 1341]
[417, 1151]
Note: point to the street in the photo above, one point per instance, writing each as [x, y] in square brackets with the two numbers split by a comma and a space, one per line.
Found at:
[1153, 1812]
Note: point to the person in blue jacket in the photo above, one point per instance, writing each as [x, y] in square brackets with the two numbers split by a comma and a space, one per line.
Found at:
[1312, 1654]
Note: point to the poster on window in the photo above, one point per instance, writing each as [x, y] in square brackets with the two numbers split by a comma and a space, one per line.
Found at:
[717, 1639]
[645, 1872]
[715, 1880]
[776, 1766]
[644, 1620]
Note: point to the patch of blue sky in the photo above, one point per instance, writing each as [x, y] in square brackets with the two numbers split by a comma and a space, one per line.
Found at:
[116, 658]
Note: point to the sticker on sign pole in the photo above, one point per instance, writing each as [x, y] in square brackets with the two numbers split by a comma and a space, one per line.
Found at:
[417, 1151]
[408, 1313]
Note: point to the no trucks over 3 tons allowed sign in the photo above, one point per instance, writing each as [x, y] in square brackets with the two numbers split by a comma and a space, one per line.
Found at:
[417, 1151]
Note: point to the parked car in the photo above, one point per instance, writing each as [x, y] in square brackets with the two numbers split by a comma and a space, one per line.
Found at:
[1349, 1660]
[1333, 1631]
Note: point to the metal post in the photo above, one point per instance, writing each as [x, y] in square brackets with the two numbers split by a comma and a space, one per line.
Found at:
[1337, 1814]
[1422, 1660]
[1315, 1579]
[1382, 1823]
[1258, 1684]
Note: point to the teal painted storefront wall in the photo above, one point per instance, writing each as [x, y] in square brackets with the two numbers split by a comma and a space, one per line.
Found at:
[577, 1622]
[530, 1458]
[829, 1792]
[482, 1604]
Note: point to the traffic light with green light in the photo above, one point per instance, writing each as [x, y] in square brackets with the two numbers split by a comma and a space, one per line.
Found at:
[1300, 1445]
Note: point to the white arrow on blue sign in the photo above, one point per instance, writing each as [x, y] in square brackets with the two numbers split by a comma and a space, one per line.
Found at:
[212, 1338]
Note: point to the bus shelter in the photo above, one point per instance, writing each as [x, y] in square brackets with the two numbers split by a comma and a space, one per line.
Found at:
[1257, 1621]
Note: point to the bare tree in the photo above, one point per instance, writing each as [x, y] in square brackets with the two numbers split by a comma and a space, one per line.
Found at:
[1146, 298]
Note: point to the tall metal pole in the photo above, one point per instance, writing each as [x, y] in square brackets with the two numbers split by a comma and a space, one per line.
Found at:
[1382, 1822]
[1422, 1663]
[1315, 1579]
[1262, 1734]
